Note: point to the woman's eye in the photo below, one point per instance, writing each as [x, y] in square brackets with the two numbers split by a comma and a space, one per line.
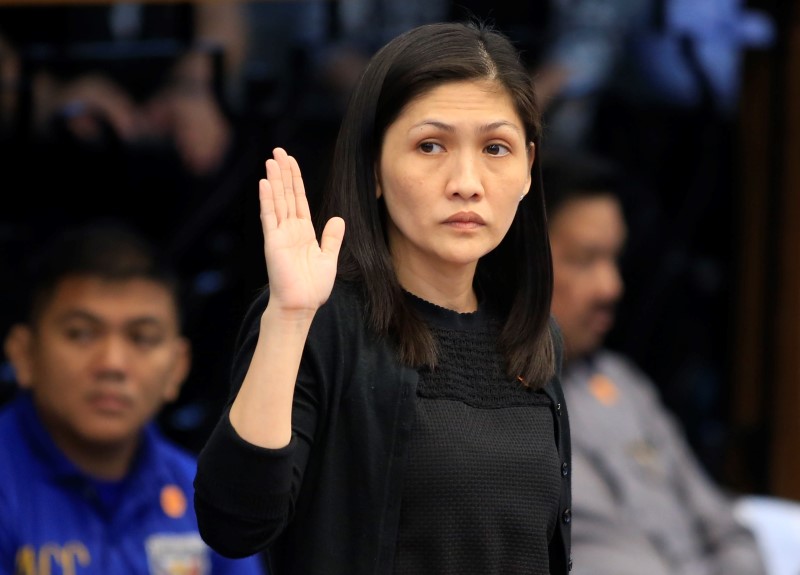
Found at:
[430, 147]
[497, 150]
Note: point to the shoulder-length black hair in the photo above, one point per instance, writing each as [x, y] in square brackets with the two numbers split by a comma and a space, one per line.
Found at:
[514, 278]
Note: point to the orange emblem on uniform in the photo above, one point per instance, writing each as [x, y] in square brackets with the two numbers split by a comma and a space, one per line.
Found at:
[603, 389]
[173, 501]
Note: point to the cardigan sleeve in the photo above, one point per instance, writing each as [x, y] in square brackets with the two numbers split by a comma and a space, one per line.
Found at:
[245, 494]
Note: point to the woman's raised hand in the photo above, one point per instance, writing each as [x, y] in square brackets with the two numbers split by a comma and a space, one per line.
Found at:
[301, 270]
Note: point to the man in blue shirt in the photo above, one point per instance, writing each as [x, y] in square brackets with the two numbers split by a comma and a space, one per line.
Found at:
[90, 486]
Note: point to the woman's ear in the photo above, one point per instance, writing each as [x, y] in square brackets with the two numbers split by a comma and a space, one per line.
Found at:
[378, 190]
[531, 151]
[17, 347]
[531, 155]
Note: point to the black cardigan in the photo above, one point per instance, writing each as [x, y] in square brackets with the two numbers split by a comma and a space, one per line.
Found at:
[354, 402]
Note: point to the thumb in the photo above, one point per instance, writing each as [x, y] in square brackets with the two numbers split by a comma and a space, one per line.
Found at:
[332, 236]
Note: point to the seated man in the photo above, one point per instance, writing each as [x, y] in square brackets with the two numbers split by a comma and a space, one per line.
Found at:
[89, 484]
[642, 503]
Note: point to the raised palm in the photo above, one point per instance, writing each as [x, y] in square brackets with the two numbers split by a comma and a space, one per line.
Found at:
[301, 270]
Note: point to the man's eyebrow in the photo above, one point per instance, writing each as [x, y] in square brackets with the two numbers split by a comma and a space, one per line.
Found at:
[82, 314]
[77, 313]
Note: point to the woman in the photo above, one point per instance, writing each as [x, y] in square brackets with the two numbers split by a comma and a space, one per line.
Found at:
[395, 405]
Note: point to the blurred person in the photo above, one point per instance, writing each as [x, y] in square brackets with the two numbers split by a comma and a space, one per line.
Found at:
[343, 35]
[90, 484]
[42, 48]
[656, 55]
[395, 402]
[642, 502]
[353, 30]
[186, 200]
[654, 85]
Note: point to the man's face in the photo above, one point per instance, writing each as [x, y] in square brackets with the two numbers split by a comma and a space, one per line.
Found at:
[586, 237]
[102, 359]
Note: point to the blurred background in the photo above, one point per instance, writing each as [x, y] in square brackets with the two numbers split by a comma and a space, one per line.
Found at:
[162, 114]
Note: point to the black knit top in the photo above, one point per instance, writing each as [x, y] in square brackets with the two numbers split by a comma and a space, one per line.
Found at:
[349, 494]
[482, 485]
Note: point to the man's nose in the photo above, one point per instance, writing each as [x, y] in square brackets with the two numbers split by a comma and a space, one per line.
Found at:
[113, 353]
[610, 282]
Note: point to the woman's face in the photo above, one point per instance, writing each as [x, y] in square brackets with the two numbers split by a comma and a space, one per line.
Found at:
[453, 168]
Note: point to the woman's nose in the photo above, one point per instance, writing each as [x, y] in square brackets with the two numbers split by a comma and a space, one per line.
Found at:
[465, 178]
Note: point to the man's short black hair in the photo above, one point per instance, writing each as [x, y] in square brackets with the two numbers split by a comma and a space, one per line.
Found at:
[104, 248]
[569, 175]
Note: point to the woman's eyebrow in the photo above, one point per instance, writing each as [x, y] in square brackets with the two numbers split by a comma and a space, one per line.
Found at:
[484, 128]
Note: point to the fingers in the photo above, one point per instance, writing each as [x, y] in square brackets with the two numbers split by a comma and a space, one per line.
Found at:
[285, 166]
[301, 201]
[286, 183]
[277, 194]
[269, 220]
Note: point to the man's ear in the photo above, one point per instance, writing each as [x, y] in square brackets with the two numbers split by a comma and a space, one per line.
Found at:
[17, 347]
[180, 369]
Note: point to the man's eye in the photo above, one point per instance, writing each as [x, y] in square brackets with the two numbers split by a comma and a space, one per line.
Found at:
[146, 340]
[79, 334]
[581, 261]
[497, 150]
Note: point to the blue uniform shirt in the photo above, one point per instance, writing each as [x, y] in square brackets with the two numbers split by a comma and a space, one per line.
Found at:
[56, 520]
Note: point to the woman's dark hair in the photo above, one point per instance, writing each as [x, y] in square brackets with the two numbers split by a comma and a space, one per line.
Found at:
[516, 277]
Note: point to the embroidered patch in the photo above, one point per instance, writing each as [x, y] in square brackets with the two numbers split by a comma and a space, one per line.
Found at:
[603, 389]
[173, 501]
[177, 554]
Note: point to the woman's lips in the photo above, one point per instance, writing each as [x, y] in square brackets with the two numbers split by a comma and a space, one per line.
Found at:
[465, 220]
